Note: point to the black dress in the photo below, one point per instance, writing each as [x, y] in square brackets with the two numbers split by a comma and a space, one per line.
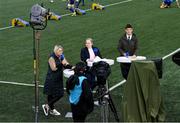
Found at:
[54, 79]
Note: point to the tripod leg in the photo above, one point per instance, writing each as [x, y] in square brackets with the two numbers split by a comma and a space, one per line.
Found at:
[112, 106]
[104, 110]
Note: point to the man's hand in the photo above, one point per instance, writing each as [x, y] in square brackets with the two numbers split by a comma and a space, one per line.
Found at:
[134, 56]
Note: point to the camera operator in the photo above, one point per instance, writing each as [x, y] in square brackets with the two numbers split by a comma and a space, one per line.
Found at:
[53, 86]
[80, 95]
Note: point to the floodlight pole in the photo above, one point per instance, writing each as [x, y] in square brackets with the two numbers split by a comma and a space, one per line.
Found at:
[36, 40]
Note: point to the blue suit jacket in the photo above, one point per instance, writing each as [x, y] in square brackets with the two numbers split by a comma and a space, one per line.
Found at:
[85, 53]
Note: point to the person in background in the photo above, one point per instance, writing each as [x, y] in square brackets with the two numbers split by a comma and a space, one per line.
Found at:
[88, 54]
[168, 3]
[53, 86]
[72, 5]
[127, 46]
[79, 1]
[80, 94]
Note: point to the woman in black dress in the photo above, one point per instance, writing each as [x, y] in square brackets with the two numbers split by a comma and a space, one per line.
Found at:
[53, 86]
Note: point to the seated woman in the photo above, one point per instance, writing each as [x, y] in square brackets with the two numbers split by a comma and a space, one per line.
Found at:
[167, 3]
[88, 53]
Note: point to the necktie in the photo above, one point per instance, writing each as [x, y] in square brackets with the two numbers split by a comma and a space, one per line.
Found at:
[129, 39]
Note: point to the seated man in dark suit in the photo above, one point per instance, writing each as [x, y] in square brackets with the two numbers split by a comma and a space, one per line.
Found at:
[127, 46]
[88, 53]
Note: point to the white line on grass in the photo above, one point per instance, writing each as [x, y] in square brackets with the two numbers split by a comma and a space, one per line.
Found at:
[124, 81]
[8, 27]
[21, 84]
[110, 89]
[115, 86]
[165, 57]
[113, 4]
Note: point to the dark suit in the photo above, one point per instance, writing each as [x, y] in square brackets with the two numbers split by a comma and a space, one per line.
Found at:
[129, 46]
[84, 56]
[85, 53]
[126, 45]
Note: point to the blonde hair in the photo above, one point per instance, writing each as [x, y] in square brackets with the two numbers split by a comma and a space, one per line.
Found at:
[57, 47]
[90, 39]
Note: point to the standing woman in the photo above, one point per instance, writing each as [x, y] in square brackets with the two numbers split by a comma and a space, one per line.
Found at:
[53, 86]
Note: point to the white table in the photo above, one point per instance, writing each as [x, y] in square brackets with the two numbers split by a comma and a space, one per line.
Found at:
[68, 72]
[123, 59]
[98, 59]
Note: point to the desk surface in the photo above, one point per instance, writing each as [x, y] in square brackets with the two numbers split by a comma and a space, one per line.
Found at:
[109, 61]
[68, 72]
[123, 59]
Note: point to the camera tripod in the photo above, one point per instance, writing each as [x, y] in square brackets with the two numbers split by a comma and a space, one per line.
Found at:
[106, 101]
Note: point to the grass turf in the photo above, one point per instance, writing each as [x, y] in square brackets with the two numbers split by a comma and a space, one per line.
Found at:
[156, 30]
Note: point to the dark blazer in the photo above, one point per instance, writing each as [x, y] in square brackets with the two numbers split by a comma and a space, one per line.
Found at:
[128, 46]
[85, 53]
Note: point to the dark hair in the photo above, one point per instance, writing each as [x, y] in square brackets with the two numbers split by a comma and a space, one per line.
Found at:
[128, 26]
[80, 67]
[73, 80]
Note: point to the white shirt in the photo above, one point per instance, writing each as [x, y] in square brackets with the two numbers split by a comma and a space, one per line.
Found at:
[91, 54]
[129, 36]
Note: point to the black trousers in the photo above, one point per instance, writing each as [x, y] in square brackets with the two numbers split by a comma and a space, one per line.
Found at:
[78, 114]
[52, 100]
[125, 67]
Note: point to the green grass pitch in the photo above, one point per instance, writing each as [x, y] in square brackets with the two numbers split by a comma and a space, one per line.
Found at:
[156, 29]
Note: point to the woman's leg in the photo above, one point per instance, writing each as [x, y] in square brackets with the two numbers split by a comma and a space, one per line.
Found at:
[52, 100]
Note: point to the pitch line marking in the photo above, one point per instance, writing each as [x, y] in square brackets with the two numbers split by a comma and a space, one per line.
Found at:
[113, 4]
[110, 89]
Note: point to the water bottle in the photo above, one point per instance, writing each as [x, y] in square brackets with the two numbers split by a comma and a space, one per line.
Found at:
[127, 54]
